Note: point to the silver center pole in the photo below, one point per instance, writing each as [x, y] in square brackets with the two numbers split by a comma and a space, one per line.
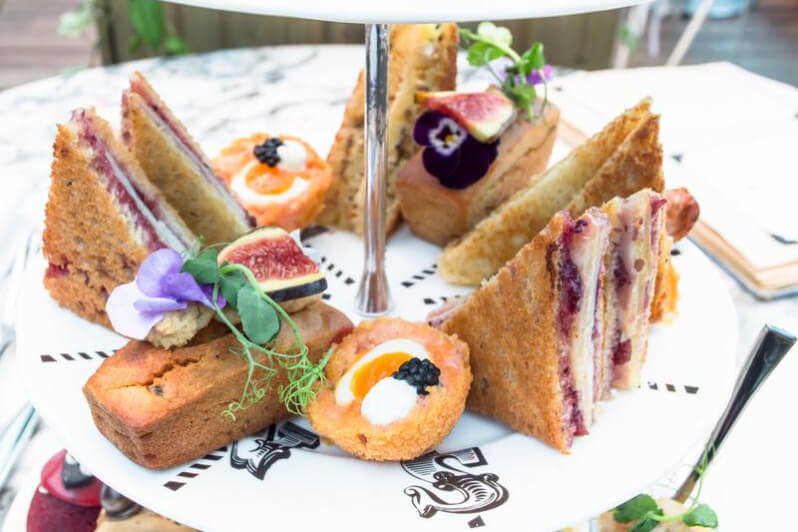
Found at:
[373, 297]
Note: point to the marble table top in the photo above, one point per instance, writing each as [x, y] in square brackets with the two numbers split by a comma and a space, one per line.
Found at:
[301, 90]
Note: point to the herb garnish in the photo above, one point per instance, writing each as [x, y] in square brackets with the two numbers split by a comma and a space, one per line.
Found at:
[491, 42]
[645, 514]
[261, 319]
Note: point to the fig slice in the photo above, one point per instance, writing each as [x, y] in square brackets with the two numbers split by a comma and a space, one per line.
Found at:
[282, 269]
[485, 115]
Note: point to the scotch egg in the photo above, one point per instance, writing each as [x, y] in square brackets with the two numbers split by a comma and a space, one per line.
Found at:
[395, 389]
[279, 180]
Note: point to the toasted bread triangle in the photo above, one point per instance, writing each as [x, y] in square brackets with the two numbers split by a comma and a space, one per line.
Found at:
[182, 176]
[414, 65]
[90, 244]
[588, 176]
[515, 354]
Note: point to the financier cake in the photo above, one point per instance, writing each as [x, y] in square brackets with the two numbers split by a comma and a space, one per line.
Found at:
[395, 389]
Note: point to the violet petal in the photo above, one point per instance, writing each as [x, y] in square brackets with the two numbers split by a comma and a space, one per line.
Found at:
[424, 124]
[182, 286]
[475, 160]
[207, 289]
[155, 268]
[158, 304]
[439, 165]
[125, 319]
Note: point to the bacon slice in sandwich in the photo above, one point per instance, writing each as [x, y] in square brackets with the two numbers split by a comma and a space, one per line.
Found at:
[176, 164]
[631, 265]
[535, 332]
[103, 217]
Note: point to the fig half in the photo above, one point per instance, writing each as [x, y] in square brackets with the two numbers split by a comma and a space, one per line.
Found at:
[283, 271]
[485, 115]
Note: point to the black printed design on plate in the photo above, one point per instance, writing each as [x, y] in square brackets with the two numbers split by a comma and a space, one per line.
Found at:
[673, 388]
[420, 276]
[332, 271]
[73, 357]
[195, 469]
[257, 455]
[451, 489]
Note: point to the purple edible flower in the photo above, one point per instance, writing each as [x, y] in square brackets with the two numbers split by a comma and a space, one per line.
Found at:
[136, 307]
[535, 77]
[451, 154]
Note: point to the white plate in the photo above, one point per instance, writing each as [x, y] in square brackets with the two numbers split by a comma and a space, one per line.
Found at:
[412, 10]
[499, 478]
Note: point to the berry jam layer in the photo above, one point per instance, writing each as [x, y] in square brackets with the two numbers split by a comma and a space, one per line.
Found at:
[579, 272]
[144, 210]
[183, 142]
[635, 250]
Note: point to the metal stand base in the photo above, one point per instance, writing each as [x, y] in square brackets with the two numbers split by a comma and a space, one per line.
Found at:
[373, 297]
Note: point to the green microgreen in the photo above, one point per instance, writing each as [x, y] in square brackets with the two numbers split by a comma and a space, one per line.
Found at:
[491, 42]
[645, 514]
[261, 320]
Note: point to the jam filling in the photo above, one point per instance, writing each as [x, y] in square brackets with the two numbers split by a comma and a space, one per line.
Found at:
[103, 164]
[569, 283]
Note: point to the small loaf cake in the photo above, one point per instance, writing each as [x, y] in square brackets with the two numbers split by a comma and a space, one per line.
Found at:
[439, 214]
[162, 407]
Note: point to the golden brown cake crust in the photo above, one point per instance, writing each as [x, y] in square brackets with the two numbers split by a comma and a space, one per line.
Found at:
[164, 407]
[497, 238]
[439, 214]
[510, 326]
[411, 69]
[87, 242]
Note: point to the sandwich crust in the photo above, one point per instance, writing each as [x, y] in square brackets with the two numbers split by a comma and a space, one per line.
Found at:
[164, 407]
[89, 244]
[423, 57]
[510, 326]
[584, 177]
[206, 212]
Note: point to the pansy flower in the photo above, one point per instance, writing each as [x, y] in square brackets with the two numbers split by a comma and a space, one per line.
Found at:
[451, 154]
[160, 287]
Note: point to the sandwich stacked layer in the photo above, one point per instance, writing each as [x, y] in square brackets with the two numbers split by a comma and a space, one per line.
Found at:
[580, 293]
[176, 164]
[103, 217]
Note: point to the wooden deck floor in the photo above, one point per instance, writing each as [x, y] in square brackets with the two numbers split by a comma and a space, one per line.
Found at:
[765, 40]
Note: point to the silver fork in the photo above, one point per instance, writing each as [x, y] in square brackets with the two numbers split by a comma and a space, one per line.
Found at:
[19, 431]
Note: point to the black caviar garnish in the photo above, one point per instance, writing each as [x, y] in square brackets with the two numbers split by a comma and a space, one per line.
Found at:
[267, 152]
[418, 373]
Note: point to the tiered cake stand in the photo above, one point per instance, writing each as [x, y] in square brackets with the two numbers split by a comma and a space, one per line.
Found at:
[373, 296]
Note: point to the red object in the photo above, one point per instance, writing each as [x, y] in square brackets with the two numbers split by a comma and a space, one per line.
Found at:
[49, 514]
[56, 508]
[87, 495]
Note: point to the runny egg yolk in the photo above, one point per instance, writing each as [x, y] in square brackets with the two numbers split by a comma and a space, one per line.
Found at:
[267, 180]
[372, 372]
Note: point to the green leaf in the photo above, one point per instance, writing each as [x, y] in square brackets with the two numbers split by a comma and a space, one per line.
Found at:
[646, 525]
[203, 267]
[481, 53]
[495, 34]
[230, 283]
[635, 508]
[533, 58]
[135, 42]
[146, 16]
[702, 515]
[259, 319]
[522, 94]
[175, 46]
